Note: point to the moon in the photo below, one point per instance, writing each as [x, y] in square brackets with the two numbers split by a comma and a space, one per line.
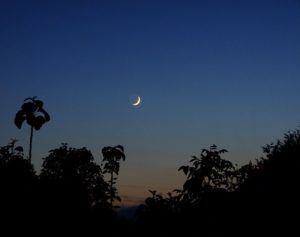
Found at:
[137, 102]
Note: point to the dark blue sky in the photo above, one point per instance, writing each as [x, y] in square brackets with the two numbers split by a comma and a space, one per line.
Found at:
[224, 72]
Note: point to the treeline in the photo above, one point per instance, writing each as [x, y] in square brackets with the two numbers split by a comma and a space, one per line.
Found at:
[74, 194]
[70, 192]
[261, 198]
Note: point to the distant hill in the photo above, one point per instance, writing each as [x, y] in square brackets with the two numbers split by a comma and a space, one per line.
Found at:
[127, 212]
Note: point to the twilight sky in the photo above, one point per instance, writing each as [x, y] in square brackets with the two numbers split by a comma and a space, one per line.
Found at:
[211, 71]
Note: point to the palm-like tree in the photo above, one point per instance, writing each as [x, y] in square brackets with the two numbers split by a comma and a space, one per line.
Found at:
[111, 159]
[33, 113]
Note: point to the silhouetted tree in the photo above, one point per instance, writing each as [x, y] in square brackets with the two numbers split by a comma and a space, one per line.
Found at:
[159, 209]
[208, 173]
[17, 185]
[271, 188]
[111, 165]
[33, 113]
[13, 164]
[275, 172]
[74, 176]
[198, 206]
[278, 168]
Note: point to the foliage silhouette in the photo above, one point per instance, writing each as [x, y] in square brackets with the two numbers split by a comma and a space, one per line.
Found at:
[34, 114]
[77, 181]
[271, 186]
[217, 198]
[18, 183]
[205, 194]
[111, 165]
[13, 167]
[278, 168]
[260, 197]
[208, 173]
[70, 190]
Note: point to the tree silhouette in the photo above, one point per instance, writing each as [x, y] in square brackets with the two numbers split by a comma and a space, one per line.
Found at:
[76, 177]
[208, 173]
[277, 168]
[33, 113]
[160, 210]
[17, 184]
[13, 164]
[204, 198]
[270, 187]
[111, 165]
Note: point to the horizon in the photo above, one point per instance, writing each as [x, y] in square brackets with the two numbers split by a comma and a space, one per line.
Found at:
[207, 73]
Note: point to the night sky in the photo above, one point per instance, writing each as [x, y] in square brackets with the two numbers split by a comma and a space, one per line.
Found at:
[208, 72]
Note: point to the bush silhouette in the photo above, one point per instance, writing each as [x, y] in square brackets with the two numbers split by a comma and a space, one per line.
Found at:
[208, 173]
[204, 196]
[18, 186]
[74, 180]
[278, 169]
[271, 186]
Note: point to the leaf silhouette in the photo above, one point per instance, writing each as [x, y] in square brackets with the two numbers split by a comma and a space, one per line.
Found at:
[185, 169]
[29, 107]
[120, 147]
[19, 119]
[19, 149]
[39, 103]
[153, 192]
[46, 115]
[38, 122]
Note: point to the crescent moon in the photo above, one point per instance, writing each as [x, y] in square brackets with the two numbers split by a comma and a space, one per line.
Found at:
[137, 102]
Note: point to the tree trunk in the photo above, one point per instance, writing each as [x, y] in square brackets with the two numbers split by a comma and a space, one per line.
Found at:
[111, 189]
[30, 143]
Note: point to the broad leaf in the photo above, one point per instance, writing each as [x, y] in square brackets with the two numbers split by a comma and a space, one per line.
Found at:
[39, 103]
[38, 122]
[19, 149]
[46, 115]
[29, 107]
[19, 119]
[185, 169]
[30, 119]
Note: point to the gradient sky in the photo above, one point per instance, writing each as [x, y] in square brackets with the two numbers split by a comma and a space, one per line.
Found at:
[213, 71]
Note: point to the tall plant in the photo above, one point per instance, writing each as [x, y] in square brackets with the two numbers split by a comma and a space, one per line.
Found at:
[111, 162]
[34, 114]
